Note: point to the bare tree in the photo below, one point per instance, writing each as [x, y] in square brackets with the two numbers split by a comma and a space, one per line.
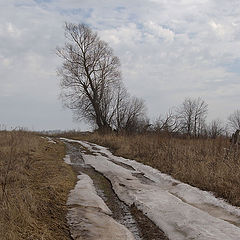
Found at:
[215, 128]
[234, 120]
[130, 112]
[168, 123]
[192, 114]
[90, 75]
[135, 114]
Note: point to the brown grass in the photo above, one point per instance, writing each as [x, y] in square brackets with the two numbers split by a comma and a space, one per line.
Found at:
[203, 163]
[34, 185]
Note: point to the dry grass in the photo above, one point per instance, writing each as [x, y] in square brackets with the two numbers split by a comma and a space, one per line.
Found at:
[200, 162]
[34, 184]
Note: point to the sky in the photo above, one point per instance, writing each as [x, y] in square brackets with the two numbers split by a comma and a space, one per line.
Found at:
[169, 50]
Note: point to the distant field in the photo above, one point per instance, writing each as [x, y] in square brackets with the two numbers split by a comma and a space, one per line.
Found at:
[35, 183]
[203, 163]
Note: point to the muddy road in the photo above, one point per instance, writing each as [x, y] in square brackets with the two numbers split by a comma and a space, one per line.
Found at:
[117, 198]
[134, 220]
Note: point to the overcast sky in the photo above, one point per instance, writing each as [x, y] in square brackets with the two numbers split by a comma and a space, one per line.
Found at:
[169, 50]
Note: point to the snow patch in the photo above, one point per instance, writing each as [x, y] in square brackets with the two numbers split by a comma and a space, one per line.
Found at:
[67, 159]
[84, 194]
[49, 140]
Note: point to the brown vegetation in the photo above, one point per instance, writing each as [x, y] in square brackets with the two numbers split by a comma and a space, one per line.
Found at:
[34, 184]
[204, 163]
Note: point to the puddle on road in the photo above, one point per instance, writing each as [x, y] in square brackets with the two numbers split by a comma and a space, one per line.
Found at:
[141, 227]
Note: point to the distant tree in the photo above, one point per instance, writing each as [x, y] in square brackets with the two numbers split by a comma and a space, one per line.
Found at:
[215, 128]
[167, 123]
[192, 114]
[234, 120]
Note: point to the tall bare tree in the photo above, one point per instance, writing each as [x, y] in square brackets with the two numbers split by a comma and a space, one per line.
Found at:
[90, 75]
[91, 82]
[192, 114]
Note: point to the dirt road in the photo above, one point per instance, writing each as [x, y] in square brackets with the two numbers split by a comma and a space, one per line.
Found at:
[111, 191]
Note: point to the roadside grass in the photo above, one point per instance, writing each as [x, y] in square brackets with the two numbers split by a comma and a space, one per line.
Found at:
[203, 163]
[34, 185]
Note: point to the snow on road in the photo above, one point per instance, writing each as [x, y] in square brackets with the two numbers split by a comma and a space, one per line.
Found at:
[88, 213]
[49, 140]
[180, 210]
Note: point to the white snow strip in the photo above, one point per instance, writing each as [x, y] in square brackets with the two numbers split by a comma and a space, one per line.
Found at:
[67, 159]
[88, 224]
[69, 140]
[180, 210]
[84, 194]
[49, 139]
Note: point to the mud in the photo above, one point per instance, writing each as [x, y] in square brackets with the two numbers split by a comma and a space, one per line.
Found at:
[123, 165]
[141, 227]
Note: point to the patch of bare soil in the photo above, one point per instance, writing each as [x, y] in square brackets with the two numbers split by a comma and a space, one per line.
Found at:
[149, 231]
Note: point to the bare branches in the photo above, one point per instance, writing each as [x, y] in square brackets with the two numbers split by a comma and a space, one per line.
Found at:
[215, 128]
[89, 74]
[168, 123]
[192, 114]
[91, 81]
[234, 120]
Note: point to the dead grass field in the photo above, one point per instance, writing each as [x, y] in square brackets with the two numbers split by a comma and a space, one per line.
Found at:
[200, 162]
[35, 183]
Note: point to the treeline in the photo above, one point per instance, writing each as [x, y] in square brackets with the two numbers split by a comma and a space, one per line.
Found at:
[92, 87]
[190, 119]
[187, 119]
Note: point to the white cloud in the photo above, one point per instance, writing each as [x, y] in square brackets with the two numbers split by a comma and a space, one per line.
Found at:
[6, 62]
[12, 30]
[9, 29]
[127, 35]
[159, 31]
[218, 28]
[224, 31]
